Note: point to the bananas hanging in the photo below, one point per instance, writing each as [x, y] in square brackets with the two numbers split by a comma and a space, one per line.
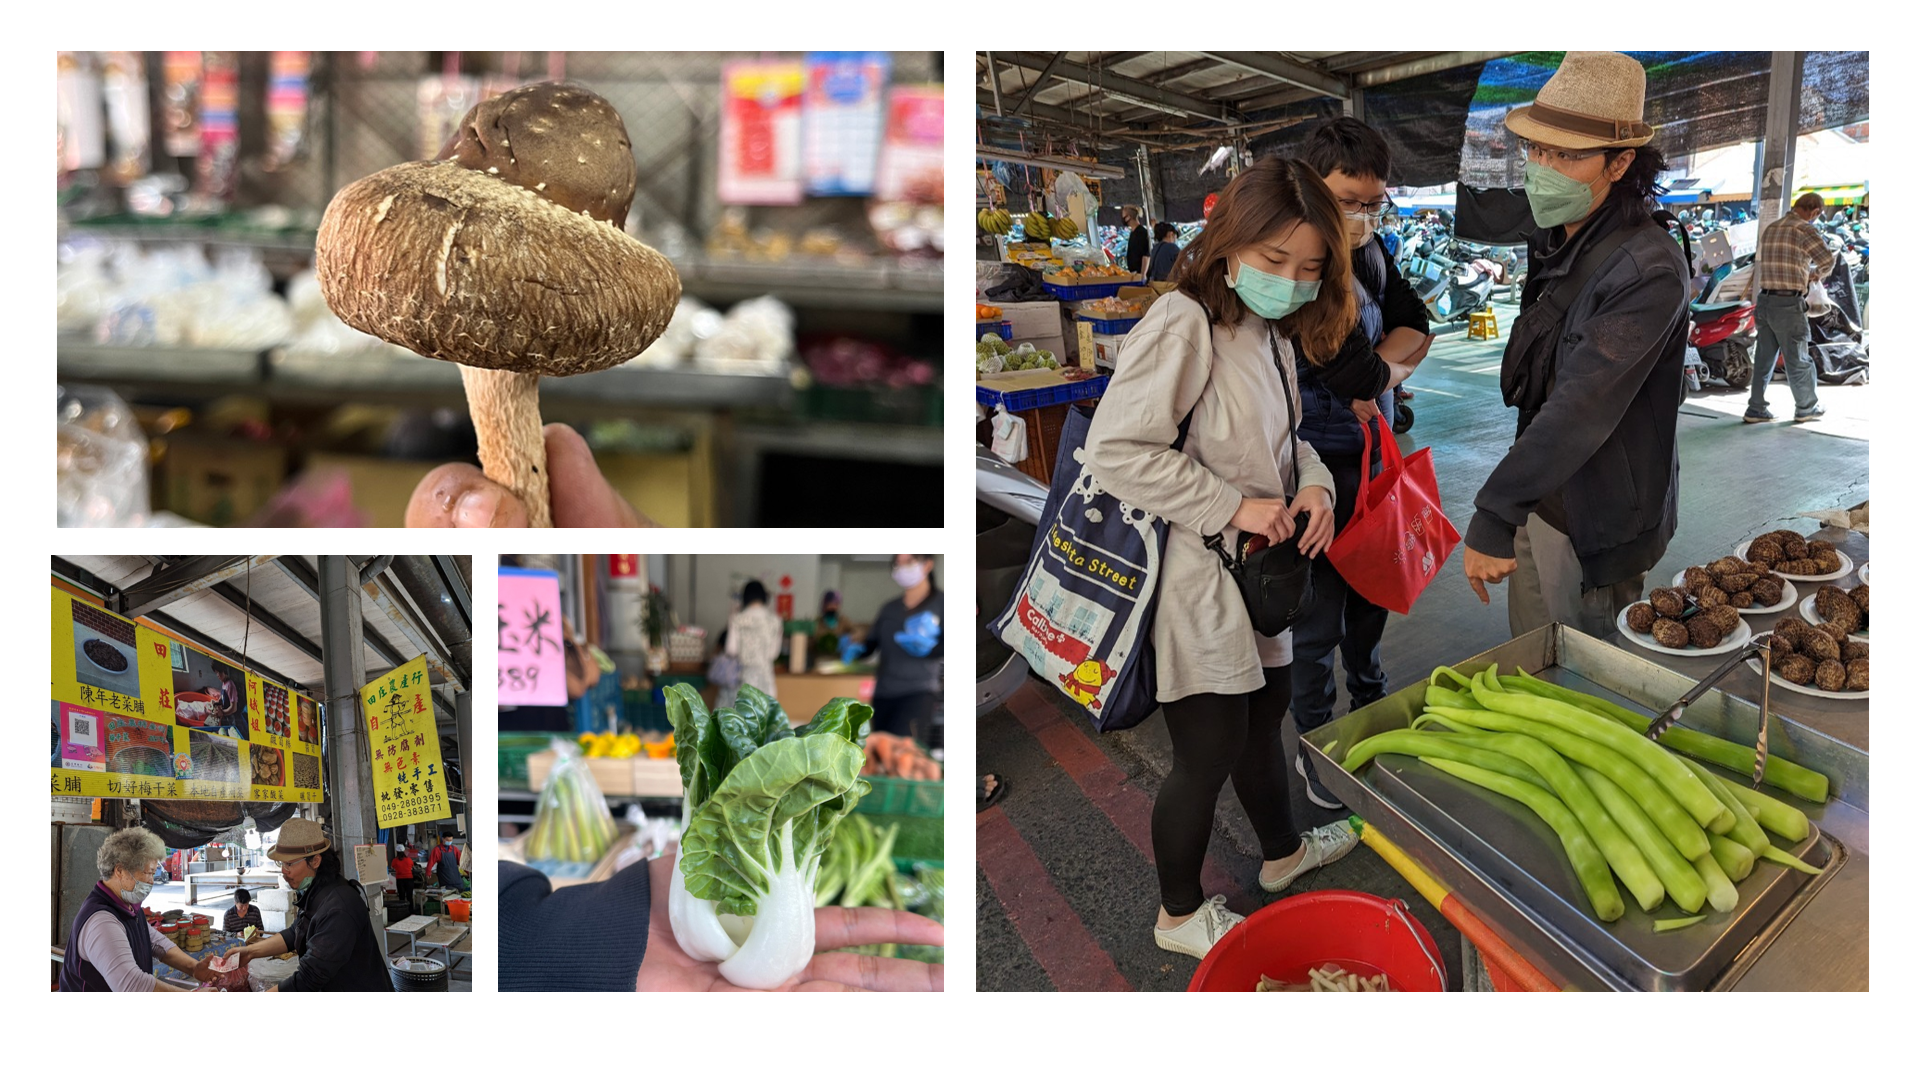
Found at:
[995, 222]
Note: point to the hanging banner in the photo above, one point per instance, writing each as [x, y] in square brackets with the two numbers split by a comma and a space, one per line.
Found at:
[533, 661]
[844, 113]
[409, 778]
[913, 155]
[138, 715]
[760, 161]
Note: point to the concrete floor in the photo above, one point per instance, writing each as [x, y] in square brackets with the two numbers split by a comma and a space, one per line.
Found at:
[1065, 885]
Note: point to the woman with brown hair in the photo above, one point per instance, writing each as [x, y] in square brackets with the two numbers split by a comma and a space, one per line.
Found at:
[1216, 357]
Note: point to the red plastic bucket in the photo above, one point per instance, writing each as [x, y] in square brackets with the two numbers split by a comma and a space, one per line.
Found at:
[1362, 933]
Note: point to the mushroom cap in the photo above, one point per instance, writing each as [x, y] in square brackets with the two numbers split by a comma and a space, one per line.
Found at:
[463, 266]
[558, 139]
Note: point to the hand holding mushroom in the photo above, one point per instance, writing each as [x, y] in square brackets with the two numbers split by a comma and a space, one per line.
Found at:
[506, 257]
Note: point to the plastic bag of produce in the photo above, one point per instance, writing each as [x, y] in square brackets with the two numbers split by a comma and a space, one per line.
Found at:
[571, 822]
[102, 455]
[1009, 436]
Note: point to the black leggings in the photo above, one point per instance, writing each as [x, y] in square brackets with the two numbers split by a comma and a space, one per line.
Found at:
[1216, 736]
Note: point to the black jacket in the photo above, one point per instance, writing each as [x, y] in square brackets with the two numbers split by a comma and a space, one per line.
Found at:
[335, 940]
[1603, 445]
[1139, 247]
[541, 943]
[1356, 372]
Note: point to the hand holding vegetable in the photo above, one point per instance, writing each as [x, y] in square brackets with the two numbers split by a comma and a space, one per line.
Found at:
[667, 966]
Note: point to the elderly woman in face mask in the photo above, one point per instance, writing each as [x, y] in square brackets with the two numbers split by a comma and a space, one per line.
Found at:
[111, 946]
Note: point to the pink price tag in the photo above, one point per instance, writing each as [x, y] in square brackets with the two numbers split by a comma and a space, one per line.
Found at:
[533, 658]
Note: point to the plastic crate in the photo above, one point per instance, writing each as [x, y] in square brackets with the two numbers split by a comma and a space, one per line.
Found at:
[1089, 292]
[1110, 326]
[515, 748]
[1003, 329]
[908, 798]
[909, 406]
[1040, 398]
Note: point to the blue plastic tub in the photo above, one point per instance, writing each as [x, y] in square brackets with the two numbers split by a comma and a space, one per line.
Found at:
[1020, 400]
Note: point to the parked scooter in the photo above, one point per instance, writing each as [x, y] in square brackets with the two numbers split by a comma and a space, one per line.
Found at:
[1007, 508]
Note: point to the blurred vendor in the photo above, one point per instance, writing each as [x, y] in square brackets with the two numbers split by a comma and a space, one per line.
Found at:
[909, 640]
[111, 945]
[242, 914]
[333, 935]
[402, 869]
[448, 868]
[754, 637]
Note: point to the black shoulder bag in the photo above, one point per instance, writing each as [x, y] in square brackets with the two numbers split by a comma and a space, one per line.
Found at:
[1526, 368]
[1276, 580]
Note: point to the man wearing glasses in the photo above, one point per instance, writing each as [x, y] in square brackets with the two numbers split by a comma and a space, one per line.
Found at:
[333, 933]
[1584, 502]
[1338, 397]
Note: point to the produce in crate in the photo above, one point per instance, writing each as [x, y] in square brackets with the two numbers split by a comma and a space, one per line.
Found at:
[761, 805]
[897, 755]
[507, 257]
[1619, 803]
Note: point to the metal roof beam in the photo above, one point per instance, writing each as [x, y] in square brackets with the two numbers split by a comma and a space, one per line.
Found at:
[268, 621]
[1320, 82]
[1026, 96]
[181, 578]
[1122, 87]
[386, 598]
[305, 577]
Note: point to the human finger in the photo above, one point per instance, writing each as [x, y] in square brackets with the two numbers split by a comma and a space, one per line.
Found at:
[461, 497]
[854, 971]
[581, 496]
[842, 927]
[1479, 589]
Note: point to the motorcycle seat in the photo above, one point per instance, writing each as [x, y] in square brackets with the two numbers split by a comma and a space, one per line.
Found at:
[1710, 312]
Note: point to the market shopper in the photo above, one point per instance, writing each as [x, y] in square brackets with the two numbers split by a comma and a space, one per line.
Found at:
[1352, 389]
[1139, 246]
[333, 934]
[1793, 256]
[1270, 270]
[1165, 252]
[111, 945]
[1586, 499]
[459, 496]
[242, 914]
[402, 869]
[754, 637]
[633, 947]
[908, 636]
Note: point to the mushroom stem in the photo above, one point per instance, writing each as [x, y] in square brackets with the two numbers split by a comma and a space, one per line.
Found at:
[513, 449]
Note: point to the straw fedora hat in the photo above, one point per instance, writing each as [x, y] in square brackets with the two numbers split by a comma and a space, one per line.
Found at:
[1594, 100]
[299, 839]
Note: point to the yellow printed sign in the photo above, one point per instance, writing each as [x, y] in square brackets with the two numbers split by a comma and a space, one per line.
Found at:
[409, 779]
[137, 715]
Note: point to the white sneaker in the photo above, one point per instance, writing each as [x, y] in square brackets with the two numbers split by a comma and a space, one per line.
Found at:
[1318, 847]
[1199, 933]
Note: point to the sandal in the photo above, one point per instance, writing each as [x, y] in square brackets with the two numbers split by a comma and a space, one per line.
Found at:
[990, 789]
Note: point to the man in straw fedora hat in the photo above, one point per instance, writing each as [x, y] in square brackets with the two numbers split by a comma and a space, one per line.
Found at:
[333, 934]
[1584, 502]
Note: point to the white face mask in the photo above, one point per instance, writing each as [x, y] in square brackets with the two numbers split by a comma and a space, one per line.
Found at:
[909, 575]
[138, 894]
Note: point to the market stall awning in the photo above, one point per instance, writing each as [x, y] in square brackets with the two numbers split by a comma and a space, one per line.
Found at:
[1845, 194]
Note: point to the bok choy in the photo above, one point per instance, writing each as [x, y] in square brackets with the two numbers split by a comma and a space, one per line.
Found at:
[761, 802]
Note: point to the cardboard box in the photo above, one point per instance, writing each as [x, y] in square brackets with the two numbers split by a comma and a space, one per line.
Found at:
[1034, 319]
[218, 481]
[673, 489]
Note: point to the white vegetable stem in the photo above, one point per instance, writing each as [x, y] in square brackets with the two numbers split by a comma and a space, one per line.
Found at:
[696, 926]
[781, 941]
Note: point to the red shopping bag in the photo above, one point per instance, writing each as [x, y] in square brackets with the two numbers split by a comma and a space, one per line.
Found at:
[1398, 538]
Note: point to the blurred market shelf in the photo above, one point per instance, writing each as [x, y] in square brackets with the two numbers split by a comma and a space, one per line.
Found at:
[701, 384]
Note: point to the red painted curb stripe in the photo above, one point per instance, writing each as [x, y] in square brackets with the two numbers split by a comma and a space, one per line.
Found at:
[1107, 785]
[1054, 934]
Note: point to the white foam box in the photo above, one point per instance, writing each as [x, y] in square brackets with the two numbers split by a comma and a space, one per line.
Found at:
[1034, 319]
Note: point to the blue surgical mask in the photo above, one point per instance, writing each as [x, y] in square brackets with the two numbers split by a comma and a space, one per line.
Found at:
[138, 894]
[1270, 296]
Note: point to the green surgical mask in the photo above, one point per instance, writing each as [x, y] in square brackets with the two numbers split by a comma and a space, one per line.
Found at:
[1271, 296]
[1556, 199]
[302, 888]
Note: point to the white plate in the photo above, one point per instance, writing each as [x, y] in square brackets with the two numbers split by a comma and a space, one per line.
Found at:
[1863, 573]
[1732, 641]
[1788, 594]
[1810, 691]
[95, 665]
[1846, 566]
[1812, 616]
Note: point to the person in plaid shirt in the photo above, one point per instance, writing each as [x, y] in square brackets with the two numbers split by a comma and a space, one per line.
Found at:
[1792, 256]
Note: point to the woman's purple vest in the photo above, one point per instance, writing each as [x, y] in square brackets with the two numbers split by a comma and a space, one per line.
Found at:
[76, 972]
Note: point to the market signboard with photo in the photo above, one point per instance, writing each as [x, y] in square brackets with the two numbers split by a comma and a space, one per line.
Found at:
[409, 778]
[138, 715]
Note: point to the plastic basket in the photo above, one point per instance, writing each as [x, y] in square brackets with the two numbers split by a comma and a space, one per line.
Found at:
[1363, 933]
[1110, 326]
[1002, 329]
[515, 748]
[1089, 292]
[1041, 397]
[908, 798]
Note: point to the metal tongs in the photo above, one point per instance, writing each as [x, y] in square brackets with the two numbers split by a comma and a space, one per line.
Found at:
[1761, 647]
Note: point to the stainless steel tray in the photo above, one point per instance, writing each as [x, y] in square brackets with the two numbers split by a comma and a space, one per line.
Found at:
[1521, 882]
